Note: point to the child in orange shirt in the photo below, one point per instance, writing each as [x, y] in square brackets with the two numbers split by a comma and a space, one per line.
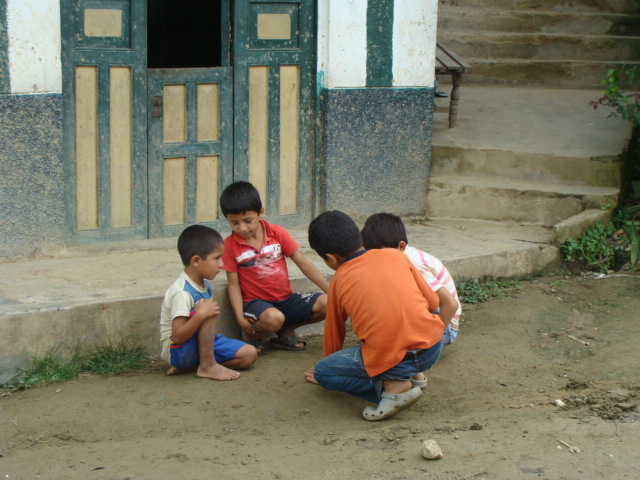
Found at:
[389, 313]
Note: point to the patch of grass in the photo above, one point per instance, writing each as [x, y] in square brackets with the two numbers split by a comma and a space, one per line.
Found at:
[474, 291]
[53, 366]
[116, 357]
[59, 364]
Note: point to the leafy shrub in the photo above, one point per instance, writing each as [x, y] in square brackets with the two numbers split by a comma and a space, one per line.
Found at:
[592, 248]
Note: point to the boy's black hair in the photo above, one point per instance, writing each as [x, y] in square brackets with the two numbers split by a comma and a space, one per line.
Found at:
[383, 230]
[334, 232]
[197, 240]
[240, 197]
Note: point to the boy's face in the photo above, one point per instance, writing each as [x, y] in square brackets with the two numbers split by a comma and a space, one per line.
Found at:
[245, 224]
[210, 266]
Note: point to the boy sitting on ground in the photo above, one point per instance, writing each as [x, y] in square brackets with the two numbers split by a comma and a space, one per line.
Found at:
[389, 314]
[189, 314]
[258, 279]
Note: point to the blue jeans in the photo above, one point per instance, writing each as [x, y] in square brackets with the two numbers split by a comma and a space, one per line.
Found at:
[344, 371]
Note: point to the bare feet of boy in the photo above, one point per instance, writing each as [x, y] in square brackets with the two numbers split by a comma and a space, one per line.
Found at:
[218, 372]
[174, 371]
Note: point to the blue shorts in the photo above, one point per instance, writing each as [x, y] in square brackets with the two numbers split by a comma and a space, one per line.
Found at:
[186, 355]
[297, 308]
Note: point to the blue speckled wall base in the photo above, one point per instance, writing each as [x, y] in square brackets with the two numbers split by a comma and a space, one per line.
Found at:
[32, 209]
[377, 146]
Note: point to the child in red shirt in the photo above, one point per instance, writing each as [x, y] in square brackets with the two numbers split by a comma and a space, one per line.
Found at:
[258, 280]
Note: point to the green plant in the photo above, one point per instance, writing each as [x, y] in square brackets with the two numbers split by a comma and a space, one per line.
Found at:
[53, 366]
[474, 291]
[116, 357]
[627, 105]
[629, 221]
[592, 248]
[56, 365]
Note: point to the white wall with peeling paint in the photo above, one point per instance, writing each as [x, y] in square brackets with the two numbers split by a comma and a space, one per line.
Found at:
[342, 43]
[415, 25]
[34, 46]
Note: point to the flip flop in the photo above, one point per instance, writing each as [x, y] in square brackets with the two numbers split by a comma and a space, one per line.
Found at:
[288, 343]
[391, 403]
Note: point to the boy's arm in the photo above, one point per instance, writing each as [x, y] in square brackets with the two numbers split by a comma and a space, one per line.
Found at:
[432, 298]
[448, 305]
[183, 327]
[235, 299]
[310, 270]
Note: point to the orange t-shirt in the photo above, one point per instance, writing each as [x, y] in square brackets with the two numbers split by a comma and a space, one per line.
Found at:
[389, 304]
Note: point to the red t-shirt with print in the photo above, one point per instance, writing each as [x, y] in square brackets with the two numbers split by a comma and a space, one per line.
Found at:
[262, 274]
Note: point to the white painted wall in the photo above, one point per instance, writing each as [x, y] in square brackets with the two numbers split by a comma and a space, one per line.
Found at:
[342, 43]
[415, 25]
[34, 46]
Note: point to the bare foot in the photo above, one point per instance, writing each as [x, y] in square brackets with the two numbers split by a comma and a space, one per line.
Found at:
[418, 376]
[175, 371]
[309, 375]
[218, 372]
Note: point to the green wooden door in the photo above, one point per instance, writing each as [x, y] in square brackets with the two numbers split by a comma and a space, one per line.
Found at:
[274, 92]
[190, 146]
[104, 91]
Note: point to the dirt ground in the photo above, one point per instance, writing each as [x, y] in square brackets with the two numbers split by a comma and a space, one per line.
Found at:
[490, 405]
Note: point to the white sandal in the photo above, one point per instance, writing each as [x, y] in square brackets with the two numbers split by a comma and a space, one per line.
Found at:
[391, 403]
[419, 383]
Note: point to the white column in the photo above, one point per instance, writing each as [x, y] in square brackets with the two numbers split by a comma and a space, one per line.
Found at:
[342, 43]
[34, 46]
[414, 42]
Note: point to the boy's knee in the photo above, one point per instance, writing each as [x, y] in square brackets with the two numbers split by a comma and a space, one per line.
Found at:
[246, 356]
[321, 304]
[271, 320]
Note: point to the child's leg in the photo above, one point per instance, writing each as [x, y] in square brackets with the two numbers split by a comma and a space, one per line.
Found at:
[344, 371]
[299, 310]
[209, 367]
[319, 310]
[244, 358]
[234, 353]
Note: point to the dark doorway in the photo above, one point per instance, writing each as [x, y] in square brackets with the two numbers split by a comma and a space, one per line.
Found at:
[184, 33]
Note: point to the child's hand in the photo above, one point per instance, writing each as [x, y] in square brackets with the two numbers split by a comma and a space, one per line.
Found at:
[207, 307]
[247, 328]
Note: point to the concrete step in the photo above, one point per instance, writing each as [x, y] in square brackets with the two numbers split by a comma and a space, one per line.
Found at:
[526, 21]
[503, 199]
[84, 295]
[541, 46]
[567, 74]
[605, 6]
[447, 160]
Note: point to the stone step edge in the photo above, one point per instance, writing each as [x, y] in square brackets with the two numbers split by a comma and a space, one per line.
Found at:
[496, 183]
[457, 9]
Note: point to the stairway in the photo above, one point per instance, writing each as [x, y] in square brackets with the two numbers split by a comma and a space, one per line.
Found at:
[511, 159]
[542, 43]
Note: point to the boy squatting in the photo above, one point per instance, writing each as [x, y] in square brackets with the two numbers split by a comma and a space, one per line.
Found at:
[390, 315]
[257, 276]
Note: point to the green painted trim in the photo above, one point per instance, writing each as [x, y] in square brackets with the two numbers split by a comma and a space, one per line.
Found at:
[5, 85]
[380, 43]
